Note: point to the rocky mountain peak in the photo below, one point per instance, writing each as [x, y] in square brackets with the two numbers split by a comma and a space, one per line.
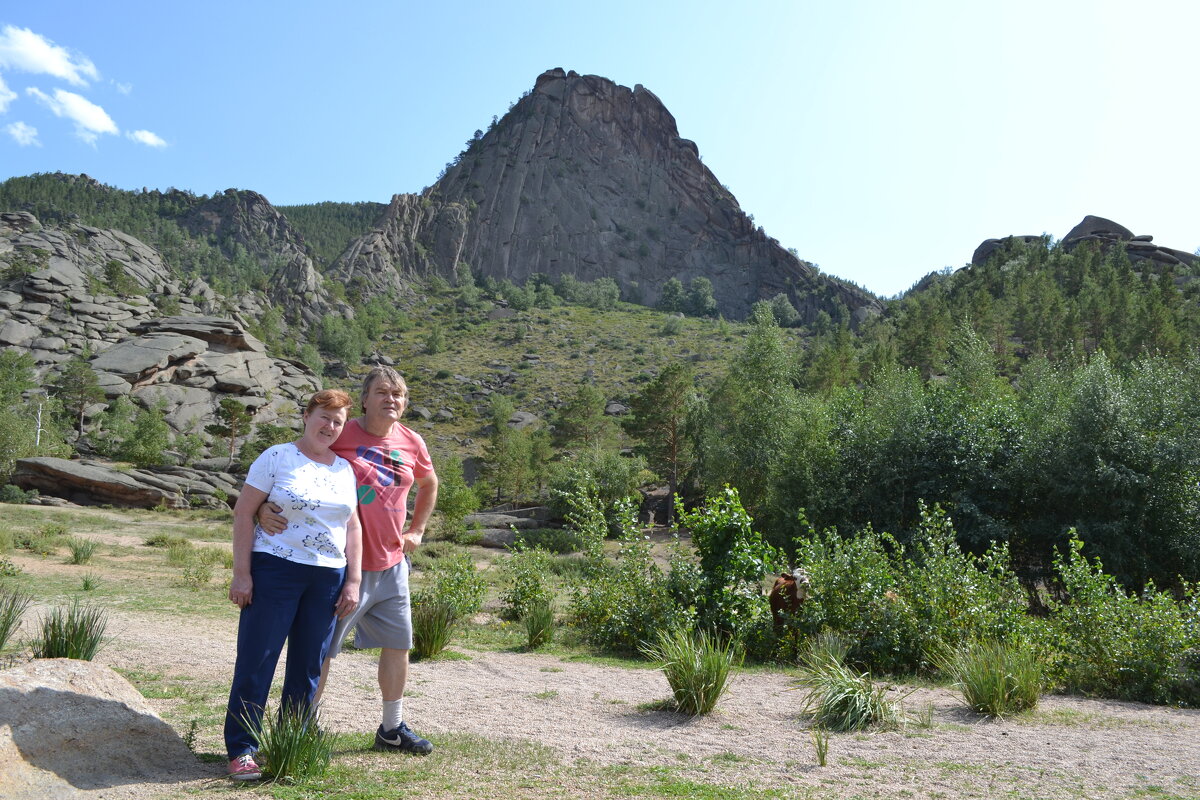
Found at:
[589, 178]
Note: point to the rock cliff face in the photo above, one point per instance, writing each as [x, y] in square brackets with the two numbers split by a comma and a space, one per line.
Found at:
[248, 220]
[589, 178]
[57, 301]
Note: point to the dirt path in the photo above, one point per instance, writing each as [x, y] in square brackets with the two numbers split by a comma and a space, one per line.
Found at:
[1073, 748]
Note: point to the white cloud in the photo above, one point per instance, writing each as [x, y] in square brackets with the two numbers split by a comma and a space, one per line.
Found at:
[147, 138]
[21, 48]
[7, 95]
[90, 119]
[24, 135]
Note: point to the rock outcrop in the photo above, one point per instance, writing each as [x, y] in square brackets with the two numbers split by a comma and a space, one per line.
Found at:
[1105, 234]
[57, 301]
[246, 219]
[71, 726]
[588, 178]
[89, 482]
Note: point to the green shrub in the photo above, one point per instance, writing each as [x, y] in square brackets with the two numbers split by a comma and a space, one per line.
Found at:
[525, 577]
[840, 699]
[13, 494]
[12, 607]
[539, 624]
[7, 540]
[45, 541]
[180, 553]
[996, 678]
[455, 583]
[196, 575]
[553, 540]
[75, 631]
[8, 569]
[164, 540]
[433, 626]
[1117, 644]
[292, 748]
[624, 599]
[82, 550]
[697, 667]
[733, 560]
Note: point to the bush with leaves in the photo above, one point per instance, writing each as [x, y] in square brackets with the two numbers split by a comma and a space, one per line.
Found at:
[454, 582]
[733, 560]
[613, 478]
[526, 579]
[1114, 643]
[622, 600]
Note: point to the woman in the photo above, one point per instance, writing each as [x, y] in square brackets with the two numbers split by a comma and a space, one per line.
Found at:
[291, 585]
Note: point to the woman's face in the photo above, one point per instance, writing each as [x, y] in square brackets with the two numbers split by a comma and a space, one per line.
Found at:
[322, 426]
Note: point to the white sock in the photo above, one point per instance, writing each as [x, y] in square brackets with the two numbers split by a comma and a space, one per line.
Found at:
[393, 714]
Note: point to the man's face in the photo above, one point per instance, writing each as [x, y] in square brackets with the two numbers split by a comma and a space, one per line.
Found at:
[384, 403]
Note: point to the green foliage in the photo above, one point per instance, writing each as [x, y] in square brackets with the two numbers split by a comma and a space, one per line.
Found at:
[433, 623]
[1118, 644]
[14, 494]
[539, 624]
[525, 578]
[455, 498]
[733, 560]
[612, 478]
[602, 293]
[292, 747]
[700, 301]
[454, 583]
[265, 435]
[120, 281]
[996, 678]
[671, 297]
[697, 667]
[659, 419]
[840, 699]
[580, 422]
[148, 439]
[624, 599]
[82, 550]
[328, 228]
[16, 376]
[73, 631]
[77, 388]
[113, 427]
[341, 339]
[233, 422]
[559, 541]
[894, 605]
[13, 605]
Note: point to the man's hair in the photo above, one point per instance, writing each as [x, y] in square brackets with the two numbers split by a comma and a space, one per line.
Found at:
[328, 399]
[385, 374]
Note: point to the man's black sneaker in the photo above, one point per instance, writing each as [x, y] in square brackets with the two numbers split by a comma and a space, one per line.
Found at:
[403, 739]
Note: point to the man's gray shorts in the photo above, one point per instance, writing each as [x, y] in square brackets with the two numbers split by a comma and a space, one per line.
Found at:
[383, 616]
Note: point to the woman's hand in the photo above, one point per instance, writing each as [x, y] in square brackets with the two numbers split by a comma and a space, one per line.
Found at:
[347, 600]
[241, 590]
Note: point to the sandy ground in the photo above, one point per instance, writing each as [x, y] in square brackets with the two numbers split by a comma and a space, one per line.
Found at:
[1073, 748]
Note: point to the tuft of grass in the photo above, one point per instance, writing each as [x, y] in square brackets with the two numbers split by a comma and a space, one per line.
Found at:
[163, 540]
[12, 607]
[90, 583]
[539, 624]
[74, 631]
[820, 740]
[995, 678]
[292, 748]
[840, 699]
[697, 667]
[82, 550]
[196, 576]
[180, 553]
[433, 627]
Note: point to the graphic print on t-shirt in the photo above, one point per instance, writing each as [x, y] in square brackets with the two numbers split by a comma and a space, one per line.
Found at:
[383, 466]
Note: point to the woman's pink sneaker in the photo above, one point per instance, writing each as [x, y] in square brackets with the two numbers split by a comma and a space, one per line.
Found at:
[243, 768]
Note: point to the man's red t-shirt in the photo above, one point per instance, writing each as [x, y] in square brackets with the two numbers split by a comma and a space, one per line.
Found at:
[385, 468]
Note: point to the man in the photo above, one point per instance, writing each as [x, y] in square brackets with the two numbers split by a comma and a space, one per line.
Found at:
[388, 458]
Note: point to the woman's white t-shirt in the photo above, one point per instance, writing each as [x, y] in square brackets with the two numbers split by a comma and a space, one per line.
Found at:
[317, 500]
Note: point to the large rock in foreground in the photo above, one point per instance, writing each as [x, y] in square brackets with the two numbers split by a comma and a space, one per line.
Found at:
[71, 726]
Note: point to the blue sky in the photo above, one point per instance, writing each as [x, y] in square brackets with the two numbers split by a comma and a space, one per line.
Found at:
[881, 140]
